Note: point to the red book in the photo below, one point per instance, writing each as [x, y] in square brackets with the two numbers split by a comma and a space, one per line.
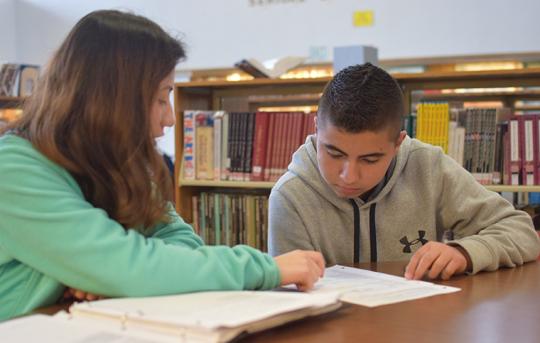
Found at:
[277, 146]
[287, 144]
[270, 145]
[260, 142]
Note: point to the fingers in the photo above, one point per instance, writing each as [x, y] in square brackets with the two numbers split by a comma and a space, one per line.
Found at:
[426, 261]
[318, 258]
[81, 295]
[411, 268]
[438, 265]
[436, 259]
[315, 270]
[450, 269]
[90, 296]
[302, 268]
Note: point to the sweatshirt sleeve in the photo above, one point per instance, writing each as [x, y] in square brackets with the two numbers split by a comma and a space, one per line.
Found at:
[48, 225]
[286, 231]
[487, 226]
[176, 231]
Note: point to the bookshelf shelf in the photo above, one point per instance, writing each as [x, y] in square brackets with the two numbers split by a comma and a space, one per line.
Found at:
[10, 98]
[269, 185]
[227, 184]
[513, 189]
[11, 101]
[250, 95]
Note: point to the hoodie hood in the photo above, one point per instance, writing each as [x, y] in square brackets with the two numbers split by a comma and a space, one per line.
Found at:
[304, 165]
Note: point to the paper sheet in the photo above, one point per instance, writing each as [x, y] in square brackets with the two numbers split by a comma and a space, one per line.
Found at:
[367, 288]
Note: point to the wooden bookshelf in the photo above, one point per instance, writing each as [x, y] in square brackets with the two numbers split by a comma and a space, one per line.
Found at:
[11, 101]
[250, 95]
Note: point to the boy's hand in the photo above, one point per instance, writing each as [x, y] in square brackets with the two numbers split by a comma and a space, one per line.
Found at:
[303, 268]
[437, 259]
[78, 295]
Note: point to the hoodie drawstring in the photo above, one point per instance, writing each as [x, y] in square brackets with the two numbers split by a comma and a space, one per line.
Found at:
[356, 258]
[372, 232]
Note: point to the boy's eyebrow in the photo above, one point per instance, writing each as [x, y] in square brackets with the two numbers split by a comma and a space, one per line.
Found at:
[373, 154]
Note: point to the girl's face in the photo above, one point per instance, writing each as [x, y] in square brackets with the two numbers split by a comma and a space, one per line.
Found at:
[161, 114]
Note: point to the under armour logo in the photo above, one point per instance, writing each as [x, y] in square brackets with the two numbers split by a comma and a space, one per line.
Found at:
[407, 244]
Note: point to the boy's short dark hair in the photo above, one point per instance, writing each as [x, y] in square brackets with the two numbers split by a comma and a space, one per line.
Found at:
[362, 98]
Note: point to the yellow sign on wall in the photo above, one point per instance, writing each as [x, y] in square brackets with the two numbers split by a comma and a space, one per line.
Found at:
[363, 18]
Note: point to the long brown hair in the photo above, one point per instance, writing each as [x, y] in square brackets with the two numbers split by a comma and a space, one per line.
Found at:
[91, 113]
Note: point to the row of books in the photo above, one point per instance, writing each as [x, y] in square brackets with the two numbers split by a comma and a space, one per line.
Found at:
[242, 146]
[230, 219]
[496, 146]
[18, 79]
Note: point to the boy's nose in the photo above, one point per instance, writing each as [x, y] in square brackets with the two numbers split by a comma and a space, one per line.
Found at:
[350, 173]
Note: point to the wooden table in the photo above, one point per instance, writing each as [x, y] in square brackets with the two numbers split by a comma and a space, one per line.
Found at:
[502, 306]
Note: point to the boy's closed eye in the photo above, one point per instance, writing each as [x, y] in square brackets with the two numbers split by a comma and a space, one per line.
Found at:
[334, 154]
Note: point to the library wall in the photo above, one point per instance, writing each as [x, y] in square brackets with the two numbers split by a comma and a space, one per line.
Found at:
[7, 31]
[220, 33]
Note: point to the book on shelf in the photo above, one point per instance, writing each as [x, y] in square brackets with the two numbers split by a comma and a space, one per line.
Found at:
[189, 146]
[204, 140]
[273, 68]
[259, 146]
[197, 317]
[18, 79]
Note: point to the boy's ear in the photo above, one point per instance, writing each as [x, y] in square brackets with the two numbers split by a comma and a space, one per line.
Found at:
[401, 137]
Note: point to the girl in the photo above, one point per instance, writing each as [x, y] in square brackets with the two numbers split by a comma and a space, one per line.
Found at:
[84, 195]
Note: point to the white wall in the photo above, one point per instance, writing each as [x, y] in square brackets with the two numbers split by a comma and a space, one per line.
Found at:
[8, 50]
[220, 32]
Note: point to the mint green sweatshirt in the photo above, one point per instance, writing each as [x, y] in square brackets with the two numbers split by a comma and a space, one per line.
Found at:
[51, 237]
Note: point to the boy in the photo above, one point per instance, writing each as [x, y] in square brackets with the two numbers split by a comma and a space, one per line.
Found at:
[361, 190]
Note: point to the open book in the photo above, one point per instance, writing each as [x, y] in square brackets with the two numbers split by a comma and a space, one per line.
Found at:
[273, 68]
[196, 317]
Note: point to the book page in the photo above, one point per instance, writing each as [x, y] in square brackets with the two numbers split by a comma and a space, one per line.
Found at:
[367, 288]
[60, 329]
[205, 310]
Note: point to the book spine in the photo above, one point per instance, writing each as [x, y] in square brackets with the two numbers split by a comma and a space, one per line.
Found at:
[204, 136]
[218, 120]
[270, 146]
[278, 146]
[526, 135]
[515, 153]
[537, 147]
[225, 157]
[248, 157]
[189, 145]
[260, 142]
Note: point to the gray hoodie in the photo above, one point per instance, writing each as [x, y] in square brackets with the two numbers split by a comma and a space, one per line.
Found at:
[426, 196]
